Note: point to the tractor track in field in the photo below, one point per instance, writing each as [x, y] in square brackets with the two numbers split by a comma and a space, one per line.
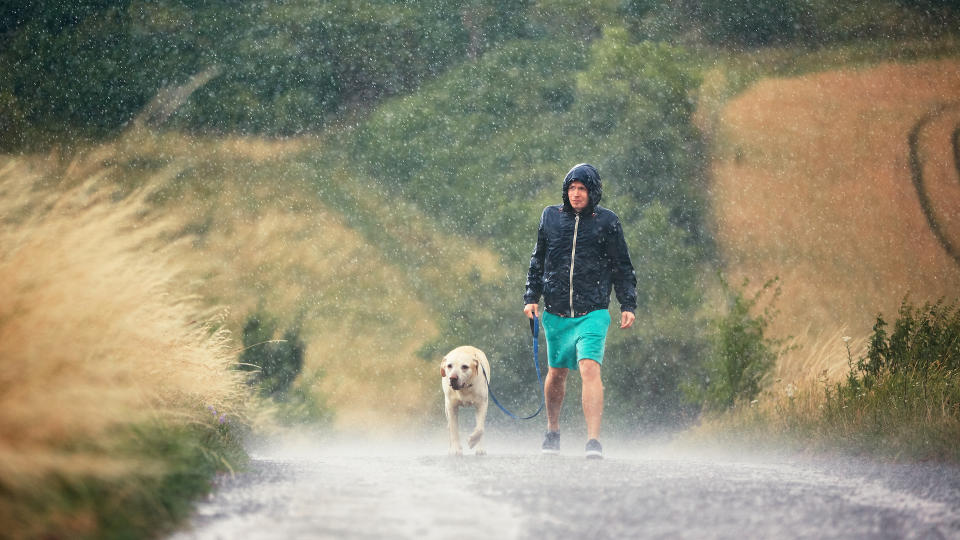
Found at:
[940, 214]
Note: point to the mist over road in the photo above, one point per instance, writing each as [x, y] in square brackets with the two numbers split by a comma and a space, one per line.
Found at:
[389, 489]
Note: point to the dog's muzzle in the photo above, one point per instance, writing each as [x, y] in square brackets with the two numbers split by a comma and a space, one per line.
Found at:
[455, 383]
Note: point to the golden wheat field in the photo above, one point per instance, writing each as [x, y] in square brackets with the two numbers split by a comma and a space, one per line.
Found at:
[813, 181]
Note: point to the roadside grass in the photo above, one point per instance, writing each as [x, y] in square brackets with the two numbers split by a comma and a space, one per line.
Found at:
[905, 417]
[169, 464]
[111, 368]
[906, 408]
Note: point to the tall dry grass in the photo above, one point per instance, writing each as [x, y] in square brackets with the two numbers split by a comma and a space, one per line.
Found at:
[98, 331]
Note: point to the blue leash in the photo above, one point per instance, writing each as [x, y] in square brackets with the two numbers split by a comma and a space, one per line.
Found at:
[535, 330]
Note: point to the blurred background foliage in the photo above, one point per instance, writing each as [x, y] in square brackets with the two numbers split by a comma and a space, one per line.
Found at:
[87, 67]
[470, 112]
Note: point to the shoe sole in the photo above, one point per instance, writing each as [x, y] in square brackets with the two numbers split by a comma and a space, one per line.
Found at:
[550, 452]
[594, 455]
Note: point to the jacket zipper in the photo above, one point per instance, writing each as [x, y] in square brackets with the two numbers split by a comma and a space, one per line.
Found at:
[573, 257]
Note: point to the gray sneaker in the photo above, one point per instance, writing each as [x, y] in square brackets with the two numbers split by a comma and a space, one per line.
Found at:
[594, 450]
[551, 443]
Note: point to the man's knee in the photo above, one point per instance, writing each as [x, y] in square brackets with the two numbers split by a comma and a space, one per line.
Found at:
[558, 374]
[589, 369]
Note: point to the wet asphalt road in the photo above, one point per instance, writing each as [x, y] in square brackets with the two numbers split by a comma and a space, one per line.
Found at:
[381, 489]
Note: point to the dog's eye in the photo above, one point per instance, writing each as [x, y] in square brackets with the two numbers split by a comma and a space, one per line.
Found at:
[464, 367]
[449, 366]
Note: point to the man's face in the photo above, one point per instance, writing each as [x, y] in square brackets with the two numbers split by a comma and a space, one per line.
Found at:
[578, 195]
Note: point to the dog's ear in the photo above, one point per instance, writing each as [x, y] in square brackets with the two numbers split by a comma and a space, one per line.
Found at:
[476, 366]
[443, 372]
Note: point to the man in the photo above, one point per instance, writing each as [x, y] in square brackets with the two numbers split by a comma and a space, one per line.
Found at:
[580, 253]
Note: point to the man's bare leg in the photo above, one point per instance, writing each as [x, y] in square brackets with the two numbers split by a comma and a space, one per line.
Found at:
[554, 388]
[592, 397]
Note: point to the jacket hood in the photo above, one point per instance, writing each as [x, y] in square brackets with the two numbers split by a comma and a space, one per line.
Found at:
[587, 174]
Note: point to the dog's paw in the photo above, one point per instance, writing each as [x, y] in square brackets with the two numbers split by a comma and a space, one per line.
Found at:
[456, 451]
[475, 438]
[481, 451]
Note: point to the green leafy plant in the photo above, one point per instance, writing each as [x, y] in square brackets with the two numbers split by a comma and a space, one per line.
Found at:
[923, 339]
[740, 354]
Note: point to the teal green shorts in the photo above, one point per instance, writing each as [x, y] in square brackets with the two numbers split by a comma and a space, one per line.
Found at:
[571, 339]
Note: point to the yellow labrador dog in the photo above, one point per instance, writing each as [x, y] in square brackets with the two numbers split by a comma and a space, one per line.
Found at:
[464, 385]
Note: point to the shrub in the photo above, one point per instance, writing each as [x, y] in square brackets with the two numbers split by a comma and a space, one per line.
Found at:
[900, 399]
[740, 356]
[923, 339]
[903, 396]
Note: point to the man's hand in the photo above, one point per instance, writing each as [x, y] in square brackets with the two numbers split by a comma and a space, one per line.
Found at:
[532, 310]
[626, 319]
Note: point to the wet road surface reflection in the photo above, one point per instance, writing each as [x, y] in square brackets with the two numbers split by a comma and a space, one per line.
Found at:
[388, 489]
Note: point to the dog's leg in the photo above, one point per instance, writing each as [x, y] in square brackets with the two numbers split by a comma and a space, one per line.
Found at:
[453, 424]
[476, 438]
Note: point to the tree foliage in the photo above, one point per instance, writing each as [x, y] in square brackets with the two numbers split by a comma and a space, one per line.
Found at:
[86, 68]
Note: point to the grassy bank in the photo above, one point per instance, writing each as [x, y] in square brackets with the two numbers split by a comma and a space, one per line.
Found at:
[111, 370]
[903, 418]
[899, 399]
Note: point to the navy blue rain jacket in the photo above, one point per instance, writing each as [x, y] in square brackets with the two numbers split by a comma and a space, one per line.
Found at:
[578, 257]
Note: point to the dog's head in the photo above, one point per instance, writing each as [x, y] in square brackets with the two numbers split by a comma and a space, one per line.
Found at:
[459, 367]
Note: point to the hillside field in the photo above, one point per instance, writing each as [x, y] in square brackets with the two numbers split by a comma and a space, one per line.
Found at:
[846, 185]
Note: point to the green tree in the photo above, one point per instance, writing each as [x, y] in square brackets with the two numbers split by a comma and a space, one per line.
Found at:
[87, 68]
[640, 96]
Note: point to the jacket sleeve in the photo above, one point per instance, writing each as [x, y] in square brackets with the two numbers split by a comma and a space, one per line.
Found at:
[623, 276]
[535, 272]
